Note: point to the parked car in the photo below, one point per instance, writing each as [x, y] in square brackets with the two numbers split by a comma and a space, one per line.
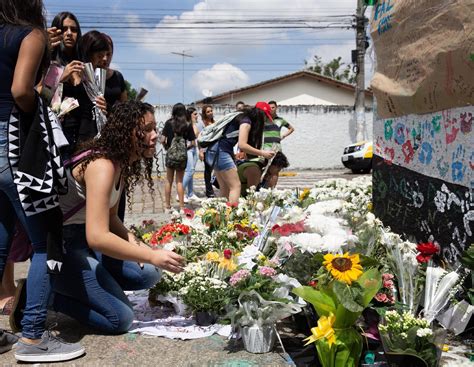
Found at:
[358, 157]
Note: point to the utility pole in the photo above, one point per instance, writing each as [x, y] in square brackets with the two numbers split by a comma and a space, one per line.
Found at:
[183, 55]
[361, 22]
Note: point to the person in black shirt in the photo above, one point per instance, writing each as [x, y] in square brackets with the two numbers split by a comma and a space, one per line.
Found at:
[177, 125]
[115, 88]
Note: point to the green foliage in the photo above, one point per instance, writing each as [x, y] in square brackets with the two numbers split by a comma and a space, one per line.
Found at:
[467, 258]
[333, 69]
[131, 92]
[206, 295]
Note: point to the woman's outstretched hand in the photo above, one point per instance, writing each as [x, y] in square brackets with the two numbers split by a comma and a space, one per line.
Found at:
[168, 260]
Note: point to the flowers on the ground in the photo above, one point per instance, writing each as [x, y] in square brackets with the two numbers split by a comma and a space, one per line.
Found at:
[239, 276]
[402, 332]
[323, 330]
[386, 295]
[345, 268]
[169, 231]
[267, 271]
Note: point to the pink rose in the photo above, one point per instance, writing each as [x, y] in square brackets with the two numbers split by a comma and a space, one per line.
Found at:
[388, 284]
[381, 297]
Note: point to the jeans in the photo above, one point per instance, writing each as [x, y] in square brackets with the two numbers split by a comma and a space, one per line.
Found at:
[39, 281]
[90, 286]
[189, 172]
[221, 160]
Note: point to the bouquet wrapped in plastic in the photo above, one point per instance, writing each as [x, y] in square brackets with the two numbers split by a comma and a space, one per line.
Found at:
[94, 84]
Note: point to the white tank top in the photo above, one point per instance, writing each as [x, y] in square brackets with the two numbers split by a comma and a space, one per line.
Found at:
[77, 194]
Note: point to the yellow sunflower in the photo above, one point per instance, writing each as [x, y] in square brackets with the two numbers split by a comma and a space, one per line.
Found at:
[323, 330]
[345, 268]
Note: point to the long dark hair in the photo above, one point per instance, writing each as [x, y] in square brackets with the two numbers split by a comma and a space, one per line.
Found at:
[257, 117]
[58, 53]
[23, 12]
[179, 119]
[119, 138]
[91, 42]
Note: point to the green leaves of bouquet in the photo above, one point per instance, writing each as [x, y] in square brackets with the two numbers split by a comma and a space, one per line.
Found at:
[342, 288]
[342, 291]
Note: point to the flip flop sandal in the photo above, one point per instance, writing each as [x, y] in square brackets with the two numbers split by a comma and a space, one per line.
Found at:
[6, 310]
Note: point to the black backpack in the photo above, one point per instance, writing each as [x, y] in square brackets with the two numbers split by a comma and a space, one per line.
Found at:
[177, 154]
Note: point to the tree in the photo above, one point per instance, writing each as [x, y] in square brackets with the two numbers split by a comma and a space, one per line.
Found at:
[131, 92]
[332, 69]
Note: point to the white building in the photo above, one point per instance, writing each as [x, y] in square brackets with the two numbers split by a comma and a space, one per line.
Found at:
[300, 88]
[320, 109]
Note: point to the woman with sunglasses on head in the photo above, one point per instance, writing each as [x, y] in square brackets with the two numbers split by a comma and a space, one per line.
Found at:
[23, 58]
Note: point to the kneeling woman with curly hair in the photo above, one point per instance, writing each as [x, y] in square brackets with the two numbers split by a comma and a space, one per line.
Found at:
[102, 257]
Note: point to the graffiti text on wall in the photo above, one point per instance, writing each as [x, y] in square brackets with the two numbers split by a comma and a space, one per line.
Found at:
[421, 206]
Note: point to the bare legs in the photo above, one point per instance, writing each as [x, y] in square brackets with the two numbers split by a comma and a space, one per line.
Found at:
[229, 184]
[170, 173]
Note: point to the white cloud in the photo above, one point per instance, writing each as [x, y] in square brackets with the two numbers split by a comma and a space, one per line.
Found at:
[217, 42]
[219, 78]
[154, 82]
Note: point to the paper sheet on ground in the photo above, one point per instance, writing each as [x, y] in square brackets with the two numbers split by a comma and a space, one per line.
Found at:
[163, 321]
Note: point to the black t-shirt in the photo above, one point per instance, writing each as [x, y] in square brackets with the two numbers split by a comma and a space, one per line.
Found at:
[114, 87]
[11, 38]
[79, 124]
[169, 134]
[227, 144]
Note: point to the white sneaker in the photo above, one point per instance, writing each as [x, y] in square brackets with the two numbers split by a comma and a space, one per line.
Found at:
[186, 200]
[194, 198]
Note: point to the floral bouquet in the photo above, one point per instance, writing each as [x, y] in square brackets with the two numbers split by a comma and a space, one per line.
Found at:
[263, 299]
[404, 334]
[145, 230]
[342, 290]
[168, 233]
[386, 297]
[206, 297]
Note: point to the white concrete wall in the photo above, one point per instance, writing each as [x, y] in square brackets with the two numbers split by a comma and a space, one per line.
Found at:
[294, 92]
[321, 133]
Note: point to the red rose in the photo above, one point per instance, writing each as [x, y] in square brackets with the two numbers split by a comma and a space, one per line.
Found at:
[421, 258]
[227, 253]
[427, 248]
[167, 238]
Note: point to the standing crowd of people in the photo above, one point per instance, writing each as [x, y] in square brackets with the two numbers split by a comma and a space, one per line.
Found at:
[62, 205]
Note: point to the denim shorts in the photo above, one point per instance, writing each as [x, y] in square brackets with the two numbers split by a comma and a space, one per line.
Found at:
[224, 160]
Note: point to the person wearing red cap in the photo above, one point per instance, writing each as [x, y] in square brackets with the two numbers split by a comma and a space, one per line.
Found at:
[246, 129]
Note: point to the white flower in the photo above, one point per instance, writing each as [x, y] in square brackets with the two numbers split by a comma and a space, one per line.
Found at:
[421, 333]
[259, 207]
[232, 235]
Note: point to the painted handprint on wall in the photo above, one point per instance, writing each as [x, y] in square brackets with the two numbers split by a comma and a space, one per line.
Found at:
[458, 169]
[466, 122]
[426, 153]
[452, 130]
[428, 144]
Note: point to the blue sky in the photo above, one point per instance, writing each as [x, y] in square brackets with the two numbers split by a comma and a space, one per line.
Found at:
[267, 39]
